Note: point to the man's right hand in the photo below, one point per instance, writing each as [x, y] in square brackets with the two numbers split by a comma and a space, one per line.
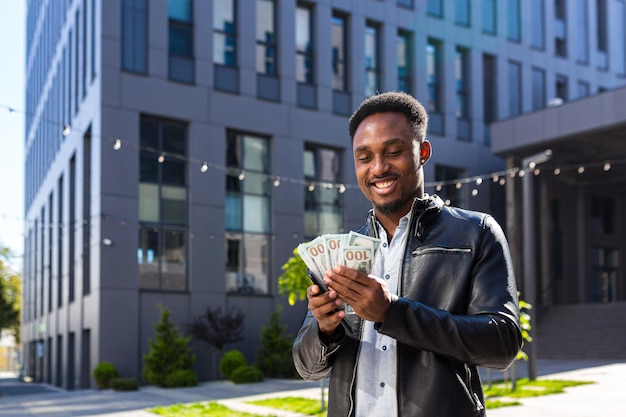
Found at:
[325, 308]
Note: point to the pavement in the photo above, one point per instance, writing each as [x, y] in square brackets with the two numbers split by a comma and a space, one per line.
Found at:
[603, 398]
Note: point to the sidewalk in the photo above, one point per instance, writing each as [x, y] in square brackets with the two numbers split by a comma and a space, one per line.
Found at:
[604, 398]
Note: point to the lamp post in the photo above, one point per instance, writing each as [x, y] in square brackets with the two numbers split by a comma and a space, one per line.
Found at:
[528, 252]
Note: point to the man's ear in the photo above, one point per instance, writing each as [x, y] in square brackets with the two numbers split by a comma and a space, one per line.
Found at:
[425, 152]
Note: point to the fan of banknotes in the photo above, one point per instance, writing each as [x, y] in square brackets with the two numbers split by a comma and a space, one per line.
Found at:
[352, 249]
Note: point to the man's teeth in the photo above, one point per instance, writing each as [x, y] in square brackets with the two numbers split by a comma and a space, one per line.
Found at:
[383, 184]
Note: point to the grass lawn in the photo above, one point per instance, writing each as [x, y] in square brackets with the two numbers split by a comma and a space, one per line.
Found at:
[307, 406]
[498, 395]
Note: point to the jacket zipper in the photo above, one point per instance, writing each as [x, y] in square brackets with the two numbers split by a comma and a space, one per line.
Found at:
[477, 403]
[421, 251]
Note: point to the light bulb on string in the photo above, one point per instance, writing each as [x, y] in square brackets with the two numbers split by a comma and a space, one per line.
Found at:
[537, 171]
[474, 192]
[479, 181]
[342, 188]
[557, 171]
[581, 169]
[276, 181]
[607, 166]
[438, 187]
[502, 181]
[66, 130]
[312, 186]
[204, 167]
[242, 175]
[117, 145]
[495, 178]
[521, 173]
[458, 185]
[161, 158]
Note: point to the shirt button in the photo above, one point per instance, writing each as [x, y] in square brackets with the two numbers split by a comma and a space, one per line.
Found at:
[385, 245]
[382, 385]
[385, 347]
[387, 276]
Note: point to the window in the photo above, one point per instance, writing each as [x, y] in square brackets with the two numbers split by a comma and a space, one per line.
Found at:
[461, 75]
[181, 62]
[560, 28]
[582, 31]
[433, 73]
[538, 88]
[340, 74]
[490, 94]
[620, 38]
[323, 207]
[561, 87]
[247, 214]
[162, 252]
[304, 45]
[538, 24]
[134, 36]
[515, 88]
[447, 186]
[462, 15]
[372, 66]
[404, 45]
[434, 8]
[604, 280]
[513, 31]
[602, 34]
[224, 33]
[266, 57]
[489, 17]
[583, 88]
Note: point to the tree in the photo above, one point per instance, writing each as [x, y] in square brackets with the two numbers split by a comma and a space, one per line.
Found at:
[10, 294]
[169, 351]
[218, 329]
[294, 281]
[274, 357]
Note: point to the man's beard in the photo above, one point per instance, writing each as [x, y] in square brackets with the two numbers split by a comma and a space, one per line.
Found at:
[391, 207]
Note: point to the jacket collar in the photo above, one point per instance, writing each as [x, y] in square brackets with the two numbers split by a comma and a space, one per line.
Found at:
[423, 211]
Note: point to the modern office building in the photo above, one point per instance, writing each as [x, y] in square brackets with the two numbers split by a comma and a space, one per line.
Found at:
[177, 151]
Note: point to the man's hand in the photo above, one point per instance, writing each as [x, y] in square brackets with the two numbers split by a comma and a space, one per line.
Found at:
[368, 295]
[324, 307]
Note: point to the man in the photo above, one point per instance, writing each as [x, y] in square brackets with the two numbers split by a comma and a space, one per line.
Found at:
[441, 298]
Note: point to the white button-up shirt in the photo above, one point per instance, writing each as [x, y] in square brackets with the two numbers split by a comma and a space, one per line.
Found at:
[376, 368]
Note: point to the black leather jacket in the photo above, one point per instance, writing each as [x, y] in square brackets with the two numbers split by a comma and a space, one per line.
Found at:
[457, 308]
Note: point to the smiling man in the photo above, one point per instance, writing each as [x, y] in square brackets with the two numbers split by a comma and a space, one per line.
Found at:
[440, 300]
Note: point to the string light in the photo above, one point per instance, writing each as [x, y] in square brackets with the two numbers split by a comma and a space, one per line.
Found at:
[496, 177]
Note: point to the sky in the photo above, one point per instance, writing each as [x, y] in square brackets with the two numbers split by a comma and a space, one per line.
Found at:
[12, 38]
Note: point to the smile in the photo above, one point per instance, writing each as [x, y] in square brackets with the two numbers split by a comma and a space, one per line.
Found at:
[383, 184]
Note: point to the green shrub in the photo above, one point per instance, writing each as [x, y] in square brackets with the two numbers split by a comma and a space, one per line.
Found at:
[169, 351]
[232, 360]
[181, 378]
[104, 373]
[125, 384]
[246, 373]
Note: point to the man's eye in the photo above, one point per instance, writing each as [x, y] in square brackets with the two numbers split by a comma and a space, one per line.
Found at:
[395, 153]
[364, 158]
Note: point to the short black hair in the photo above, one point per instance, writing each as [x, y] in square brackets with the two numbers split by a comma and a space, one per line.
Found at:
[392, 102]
